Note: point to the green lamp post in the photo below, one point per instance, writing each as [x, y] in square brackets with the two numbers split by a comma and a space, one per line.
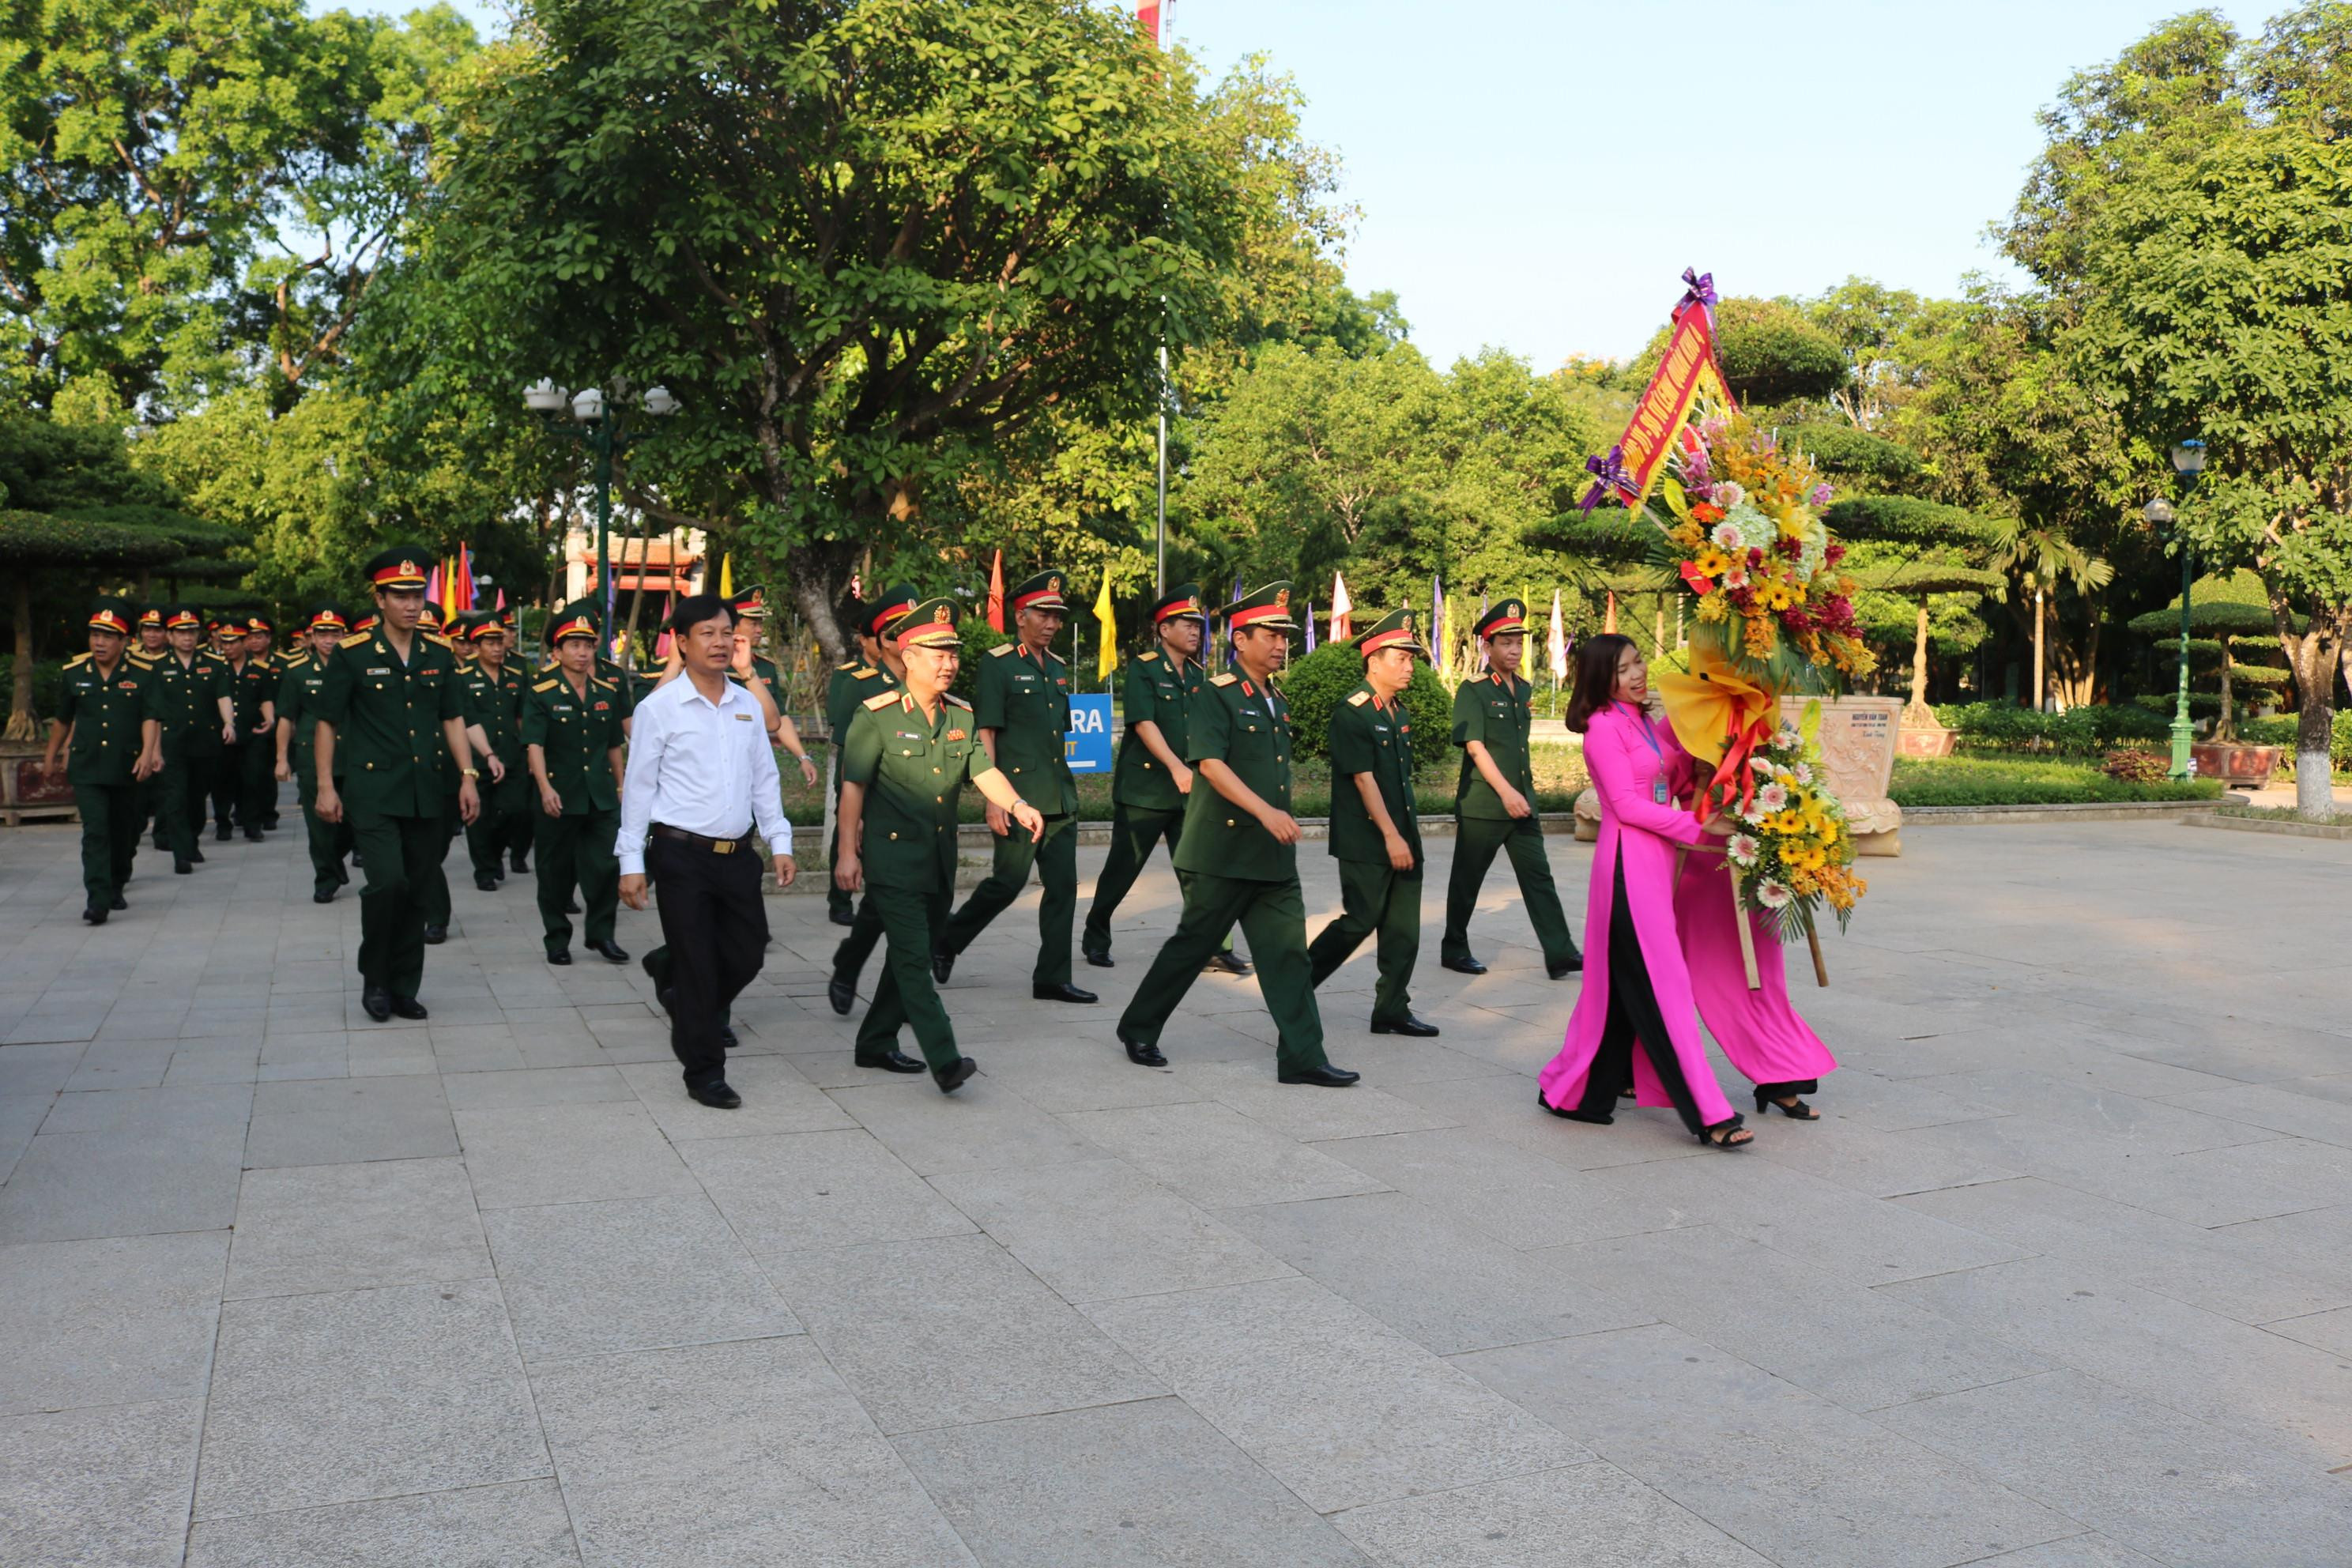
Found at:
[2188, 461]
[602, 436]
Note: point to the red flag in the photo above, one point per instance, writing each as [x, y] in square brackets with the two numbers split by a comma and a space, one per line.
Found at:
[1147, 13]
[996, 593]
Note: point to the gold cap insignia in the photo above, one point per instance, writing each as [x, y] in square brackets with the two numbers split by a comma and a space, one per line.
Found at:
[1282, 599]
[943, 616]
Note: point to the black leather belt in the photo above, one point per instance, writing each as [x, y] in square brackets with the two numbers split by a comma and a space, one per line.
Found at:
[716, 846]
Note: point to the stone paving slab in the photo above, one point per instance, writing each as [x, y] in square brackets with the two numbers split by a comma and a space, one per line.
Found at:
[2064, 1279]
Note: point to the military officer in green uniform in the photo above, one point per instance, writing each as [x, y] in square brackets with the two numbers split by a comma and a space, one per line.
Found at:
[904, 766]
[1152, 778]
[435, 885]
[108, 728]
[1494, 804]
[1375, 833]
[152, 646]
[494, 692]
[1240, 847]
[1024, 713]
[299, 686]
[257, 720]
[876, 669]
[852, 686]
[226, 780]
[390, 713]
[199, 718]
[572, 739]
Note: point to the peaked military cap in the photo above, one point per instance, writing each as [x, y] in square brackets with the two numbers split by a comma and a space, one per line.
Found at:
[1508, 615]
[476, 625]
[179, 616]
[401, 567]
[1182, 600]
[368, 621]
[325, 616]
[111, 615]
[749, 603]
[259, 623]
[150, 616]
[1043, 592]
[897, 600]
[228, 625]
[577, 619]
[430, 617]
[1398, 628]
[932, 624]
[1267, 606]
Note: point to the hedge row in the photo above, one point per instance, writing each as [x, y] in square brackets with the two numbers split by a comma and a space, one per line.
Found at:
[2077, 732]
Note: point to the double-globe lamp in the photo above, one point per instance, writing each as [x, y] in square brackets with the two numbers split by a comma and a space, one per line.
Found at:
[597, 433]
[2188, 461]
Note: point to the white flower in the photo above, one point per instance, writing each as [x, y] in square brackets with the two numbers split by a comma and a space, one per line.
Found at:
[1744, 850]
[1729, 495]
[1804, 773]
[1727, 537]
[1773, 895]
[1788, 740]
[1773, 797]
[1736, 578]
[1761, 765]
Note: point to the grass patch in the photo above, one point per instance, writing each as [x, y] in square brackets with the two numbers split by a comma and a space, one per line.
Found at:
[2021, 781]
[2338, 818]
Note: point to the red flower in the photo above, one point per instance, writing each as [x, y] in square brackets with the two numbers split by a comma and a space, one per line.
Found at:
[1706, 511]
[1743, 599]
[1789, 547]
[1796, 620]
[1755, 558]
[1834, 554]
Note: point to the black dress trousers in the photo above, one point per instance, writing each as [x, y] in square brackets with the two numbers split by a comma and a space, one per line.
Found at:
[714, 925]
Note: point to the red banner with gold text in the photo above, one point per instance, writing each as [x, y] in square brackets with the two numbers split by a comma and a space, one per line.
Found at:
[1686, 373]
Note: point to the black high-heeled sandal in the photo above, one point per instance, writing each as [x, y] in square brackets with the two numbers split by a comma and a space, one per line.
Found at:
[1794, 1108]
[1719, 1136]
[1600, 1119]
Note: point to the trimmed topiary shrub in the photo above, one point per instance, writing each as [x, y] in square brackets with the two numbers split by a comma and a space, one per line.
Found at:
[1314, 684]
[2079, 732]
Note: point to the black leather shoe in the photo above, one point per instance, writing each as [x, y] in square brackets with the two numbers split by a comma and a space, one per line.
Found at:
[407, 1007]
[435, 935]
[1322, 1077]
[1572, 964]
[355, 860]
[841, 917]
[1226, 963]
[663, 997]
[1142, 1055]
[561, 955]
[1064, 991]
[322, 896]
[1463, 965]
[1097, 954]
[716, 1095]
[118, 903]
[1418, 1028]
[943, 966]
[571, 906]
[224, 832]
[486, 882]
[253, 833]
[842, 994]
[897, 1061]
[94, 915]
[182, 867]
[197, 853]
[951, 1078]
[521, 863]
[611, 952]
[376, 1003]
[727, 1040]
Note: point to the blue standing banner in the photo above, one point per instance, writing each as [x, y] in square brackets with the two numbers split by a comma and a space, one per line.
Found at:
[1087, 745]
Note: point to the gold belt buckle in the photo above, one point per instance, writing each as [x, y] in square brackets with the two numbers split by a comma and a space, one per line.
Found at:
[722, 846]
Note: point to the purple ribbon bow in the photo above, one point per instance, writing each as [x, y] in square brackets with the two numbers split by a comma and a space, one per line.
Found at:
[1701, 290]
[1609, 474]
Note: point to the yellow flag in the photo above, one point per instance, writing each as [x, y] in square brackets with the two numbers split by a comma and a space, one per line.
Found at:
[727, 576]
[1107, 659]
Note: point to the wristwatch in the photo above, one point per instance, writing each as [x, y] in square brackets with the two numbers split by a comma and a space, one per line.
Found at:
[471, 772]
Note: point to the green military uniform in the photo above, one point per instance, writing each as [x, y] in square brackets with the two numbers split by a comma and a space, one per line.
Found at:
[1238, 872]
[305, 676]
[1146, 804]
[1498, 711]
[388, 716]
[150, 788]
[912, 769]
[1372, 738]
[434, 883]
[576, 729]
[502, 830]
[106, 713]
[188, 698]
[854, 685]
[1025, 699]
[257, 687]
[226, 786]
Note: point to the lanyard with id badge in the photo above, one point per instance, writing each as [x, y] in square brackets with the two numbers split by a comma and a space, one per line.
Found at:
[1659, 795]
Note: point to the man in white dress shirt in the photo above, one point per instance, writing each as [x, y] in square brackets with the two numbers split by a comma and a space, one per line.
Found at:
[701, 775]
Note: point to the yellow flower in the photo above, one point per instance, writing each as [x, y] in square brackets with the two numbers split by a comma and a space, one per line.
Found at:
[1776, 596]
[1805, 858]
[1713, 607]
[1822, 827]
[1784, 823]
[1712, 562]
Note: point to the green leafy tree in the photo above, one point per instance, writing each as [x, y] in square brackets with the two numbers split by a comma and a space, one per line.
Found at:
[864, 244]
[2230, 633]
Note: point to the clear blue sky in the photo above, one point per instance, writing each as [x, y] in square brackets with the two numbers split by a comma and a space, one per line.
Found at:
[1536, 174]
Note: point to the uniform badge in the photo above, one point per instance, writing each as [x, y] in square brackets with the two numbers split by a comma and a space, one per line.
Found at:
[943, 616]
[602, 706]
[955, 734]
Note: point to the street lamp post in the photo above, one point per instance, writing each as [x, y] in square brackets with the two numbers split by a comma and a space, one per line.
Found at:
[602, 437]
[2188, 462]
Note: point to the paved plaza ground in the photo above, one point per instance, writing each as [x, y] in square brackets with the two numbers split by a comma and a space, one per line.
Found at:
[2064, 1280]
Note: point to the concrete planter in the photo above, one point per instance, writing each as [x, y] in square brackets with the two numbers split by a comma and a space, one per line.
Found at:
[1925, 741]
[25, 794]
[2235, 764]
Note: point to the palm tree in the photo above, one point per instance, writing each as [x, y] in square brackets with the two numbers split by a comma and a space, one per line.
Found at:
[2040, 560]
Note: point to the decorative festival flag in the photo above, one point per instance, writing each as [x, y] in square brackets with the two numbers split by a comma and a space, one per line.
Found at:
[996, 593]
[502, 600]
[433, 583]
[1611, 624]
[1107, 659]
[1148, 14]
[465, 577]
[1311, 625]
[1685, 373]
[661, 647]
[1343, 624]
[727, 575]
[1559, 643]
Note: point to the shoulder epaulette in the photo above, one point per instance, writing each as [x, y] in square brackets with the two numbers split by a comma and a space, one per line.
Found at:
[954, 701]
[78, 658]
[1358, 699]
[882, 699]
[355, 639]
[846, 664]
[144, 660]
[1228, 679]
[865, 671]
[1145, 658]
[598, 680]
[1001, 649]
[547, 686]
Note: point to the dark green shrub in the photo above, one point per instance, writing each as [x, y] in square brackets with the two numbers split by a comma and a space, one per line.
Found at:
[48, 684]
[2078, 731]
[1319, 683]
[2280, 730]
